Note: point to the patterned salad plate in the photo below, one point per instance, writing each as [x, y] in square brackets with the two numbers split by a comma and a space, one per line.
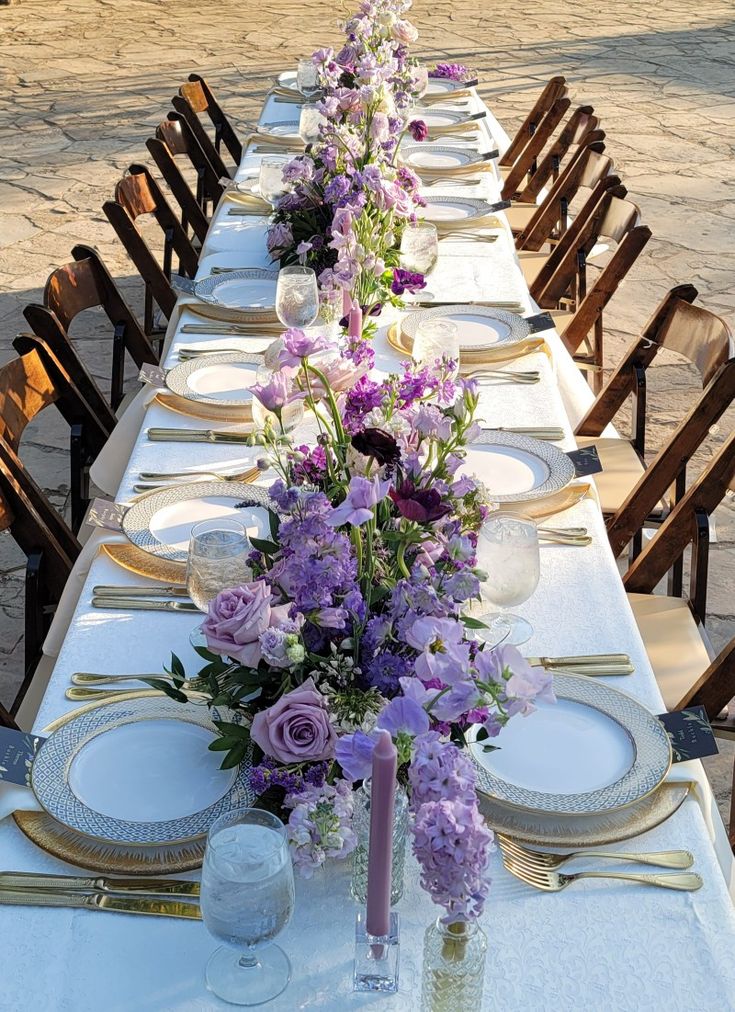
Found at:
[138, 771]
[222, 380]
[445, 212]
[480, 328]
[442, 158]
[247, 295]
[449, 120]
[161, 523]
[515, 468]
[595, 750]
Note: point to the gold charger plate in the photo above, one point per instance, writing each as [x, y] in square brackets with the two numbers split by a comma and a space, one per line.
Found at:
[194, 409]
[550, 830]
[96, 855]
[470, 362]
[539, 509]
[137, 561]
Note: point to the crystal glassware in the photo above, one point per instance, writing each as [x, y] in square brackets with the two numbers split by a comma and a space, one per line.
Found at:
[247, 899]
[310, 120]
[454, 967]
[270, 181]
[218, 552]
[361, 828]
[292, 414]
[331, 302]
[419, 246]
[306, 77]
[508, 552]
[436, 339]
[297, 297]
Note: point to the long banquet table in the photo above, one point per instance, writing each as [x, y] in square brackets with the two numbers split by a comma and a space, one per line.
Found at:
[599, 945]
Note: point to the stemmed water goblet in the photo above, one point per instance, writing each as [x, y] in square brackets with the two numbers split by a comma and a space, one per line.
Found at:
[508, 553]
[436, 339]
[297, 297]
[247, 899]
[306, 77]
[270, 180]
[419, 246]
[218, 553]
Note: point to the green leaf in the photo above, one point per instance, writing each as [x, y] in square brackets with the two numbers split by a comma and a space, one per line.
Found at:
[266, 547]
[473, 623]
[235, 756]
[177, 669]
[236, 730]
[163, 686]
[482, 734]
[223, 744]
[491, 748]
[274, 524]
[223, 699]
[207, 654]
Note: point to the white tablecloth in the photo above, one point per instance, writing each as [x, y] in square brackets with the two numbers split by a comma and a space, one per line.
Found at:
[597, 946]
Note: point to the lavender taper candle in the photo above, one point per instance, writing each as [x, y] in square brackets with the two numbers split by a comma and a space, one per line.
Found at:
[355, 321]
[382, 798]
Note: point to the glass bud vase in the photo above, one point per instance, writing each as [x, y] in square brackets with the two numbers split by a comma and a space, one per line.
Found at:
[361, 827]
[454, 967]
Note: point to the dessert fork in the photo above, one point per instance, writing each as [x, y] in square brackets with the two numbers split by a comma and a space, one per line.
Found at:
[544, 861]
[554, 881]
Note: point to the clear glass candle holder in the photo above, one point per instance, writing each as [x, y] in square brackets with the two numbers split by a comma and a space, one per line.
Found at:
[361, 827]
[454, 967]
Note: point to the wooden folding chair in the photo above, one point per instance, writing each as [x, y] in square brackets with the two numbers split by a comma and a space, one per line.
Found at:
[50, 549]
[136, 194]
[673, 627]
[28, 384]
[555, 89]
[581, 129]
[84, 284]
[631, 491]
[534, 225]
[174, 139]
[514, 176]
[195, 97]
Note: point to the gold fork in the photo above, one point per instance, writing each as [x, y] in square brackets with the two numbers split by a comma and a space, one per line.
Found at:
[554, 881]
[544, 861]
[248, 475]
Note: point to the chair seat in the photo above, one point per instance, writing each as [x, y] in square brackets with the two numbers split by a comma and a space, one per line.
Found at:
[561, 319]
[531, 264]
[519, 215]
[621, 471]
[673, 643]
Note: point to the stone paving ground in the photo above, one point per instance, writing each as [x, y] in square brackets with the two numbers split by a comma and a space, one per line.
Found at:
[84, 82]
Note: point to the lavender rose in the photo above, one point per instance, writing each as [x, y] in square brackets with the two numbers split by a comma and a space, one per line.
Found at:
[296, 729]
[236, 618]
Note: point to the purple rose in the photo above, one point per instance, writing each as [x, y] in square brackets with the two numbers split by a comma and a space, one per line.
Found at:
[236, 618]
[406, 281]
[296, 729]
[418, 129]
[424, 505]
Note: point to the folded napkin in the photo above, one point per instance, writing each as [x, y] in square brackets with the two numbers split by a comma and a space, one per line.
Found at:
[14, 798]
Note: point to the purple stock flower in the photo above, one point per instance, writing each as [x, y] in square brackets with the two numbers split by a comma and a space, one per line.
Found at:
[450, 71]
[363, 495]
[418, 129]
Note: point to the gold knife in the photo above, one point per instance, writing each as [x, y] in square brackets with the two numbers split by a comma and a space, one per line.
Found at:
[198, 436]
[102, 590]
[15, 880]
[102, 901]
[143, 604]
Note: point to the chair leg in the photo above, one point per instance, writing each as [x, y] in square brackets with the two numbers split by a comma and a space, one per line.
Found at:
[35, 625]
[79, 460]
[731, 831]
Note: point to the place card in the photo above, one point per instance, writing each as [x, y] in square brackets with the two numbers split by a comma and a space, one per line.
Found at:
[153, 375]
[103, 513]
[690, 733]
[182, 285]
[17, 752]
[539, 322]
[586, 461]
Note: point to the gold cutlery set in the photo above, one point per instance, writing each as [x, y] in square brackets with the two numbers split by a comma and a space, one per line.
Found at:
[540, 868]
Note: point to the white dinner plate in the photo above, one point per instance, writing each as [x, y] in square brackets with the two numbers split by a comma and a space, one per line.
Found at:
[139, 771]
[479, 327]
[438, 119]
[281, 128]
[251, 288]
[223, 379]
[595, 749]
[445, 210]
[161, 523]
[515, 468]
[445, 157]
[444, 86]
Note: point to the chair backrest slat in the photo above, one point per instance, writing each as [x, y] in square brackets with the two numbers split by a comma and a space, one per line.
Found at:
[533, 148]
[554, 89]
[581, 128]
